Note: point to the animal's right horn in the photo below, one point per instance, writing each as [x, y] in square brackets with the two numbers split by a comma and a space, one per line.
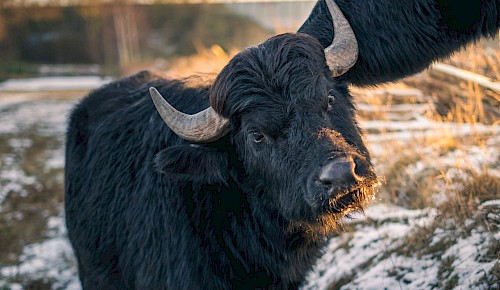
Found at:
[342, 54]
[203, 127]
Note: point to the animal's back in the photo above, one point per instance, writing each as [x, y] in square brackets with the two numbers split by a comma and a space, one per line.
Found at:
[113, 137]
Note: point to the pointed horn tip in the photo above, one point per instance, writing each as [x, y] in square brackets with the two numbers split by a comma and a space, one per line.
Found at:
[153, 91]
[157, 98]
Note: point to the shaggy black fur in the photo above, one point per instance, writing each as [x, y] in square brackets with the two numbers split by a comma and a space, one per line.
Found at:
[399, 38]
[148, 210]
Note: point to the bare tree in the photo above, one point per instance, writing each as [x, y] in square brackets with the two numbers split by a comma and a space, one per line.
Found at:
[127, 37]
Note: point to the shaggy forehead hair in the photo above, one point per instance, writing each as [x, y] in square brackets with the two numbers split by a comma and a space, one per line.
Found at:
[286, 69]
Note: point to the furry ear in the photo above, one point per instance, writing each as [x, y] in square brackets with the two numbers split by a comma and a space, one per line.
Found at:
[194, 163]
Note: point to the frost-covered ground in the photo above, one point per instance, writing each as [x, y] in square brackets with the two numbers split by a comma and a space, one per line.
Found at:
[53, 83]
[390, 246]
[34, 251]
[375, 253]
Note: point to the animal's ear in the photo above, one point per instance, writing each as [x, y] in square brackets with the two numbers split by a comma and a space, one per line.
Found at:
[194, 163]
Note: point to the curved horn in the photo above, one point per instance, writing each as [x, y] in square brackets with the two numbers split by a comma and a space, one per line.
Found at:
[203, 127]
[342, 54]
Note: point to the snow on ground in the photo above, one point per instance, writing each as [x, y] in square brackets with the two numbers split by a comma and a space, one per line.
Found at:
[423, 128]
[49, 118]
[371, 253]
[349, 253]
[54, 83]
[51, 259]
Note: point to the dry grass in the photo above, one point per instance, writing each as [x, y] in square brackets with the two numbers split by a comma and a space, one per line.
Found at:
[464, 101]
[200, 68]
[482, 58]
[208, 61]
[419, 173]
[461, 214]
[412, 169]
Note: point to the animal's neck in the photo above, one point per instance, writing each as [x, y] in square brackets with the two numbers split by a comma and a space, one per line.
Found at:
[289, 256]
[250, 246]
[265, 252]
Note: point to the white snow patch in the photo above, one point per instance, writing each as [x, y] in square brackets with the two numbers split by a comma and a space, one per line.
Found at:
[423, 128]
[387, 211]
[54, 83]
[48, 117]
[52, 258]
[385, 228]
[12, 180]
[368, 258]
[494, 202]
[55, 159]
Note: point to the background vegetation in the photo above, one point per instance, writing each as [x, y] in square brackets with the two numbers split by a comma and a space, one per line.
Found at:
[115, 35]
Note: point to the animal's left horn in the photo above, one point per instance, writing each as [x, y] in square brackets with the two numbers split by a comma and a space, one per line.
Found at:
[203, 127]
[342, 54]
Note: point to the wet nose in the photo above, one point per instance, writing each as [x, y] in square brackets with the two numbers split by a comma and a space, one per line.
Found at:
[340, 172]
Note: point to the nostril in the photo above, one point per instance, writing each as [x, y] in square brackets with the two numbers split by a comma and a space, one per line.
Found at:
[360, 168]
[326, 182]
[340, 172]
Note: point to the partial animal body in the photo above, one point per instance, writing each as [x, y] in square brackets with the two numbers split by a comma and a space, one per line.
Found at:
[245, 186]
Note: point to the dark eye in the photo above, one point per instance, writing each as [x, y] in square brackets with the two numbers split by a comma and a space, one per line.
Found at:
[257, 137]
[331, 99]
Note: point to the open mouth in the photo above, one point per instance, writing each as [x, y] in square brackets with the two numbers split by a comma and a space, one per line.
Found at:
[328, 213]
[347, 201]
[350, 199]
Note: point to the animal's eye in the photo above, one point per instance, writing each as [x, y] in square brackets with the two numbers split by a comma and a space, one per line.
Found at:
[257, 137]
[331, 98]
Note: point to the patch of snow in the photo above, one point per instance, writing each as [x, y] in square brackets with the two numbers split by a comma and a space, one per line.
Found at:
[55, 159]
[52, 258]
[349, 253]
[54, 83]
[13, 180]
[423, 128]
[20, 143]
[466, 252]
[48, 117]
[368, 258]
[494, 202]
[383, 212]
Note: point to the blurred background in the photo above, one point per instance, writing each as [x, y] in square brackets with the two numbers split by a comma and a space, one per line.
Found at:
[434, 137]
[109, 37]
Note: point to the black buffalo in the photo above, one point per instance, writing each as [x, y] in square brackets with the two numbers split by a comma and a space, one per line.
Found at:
[244, 187]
